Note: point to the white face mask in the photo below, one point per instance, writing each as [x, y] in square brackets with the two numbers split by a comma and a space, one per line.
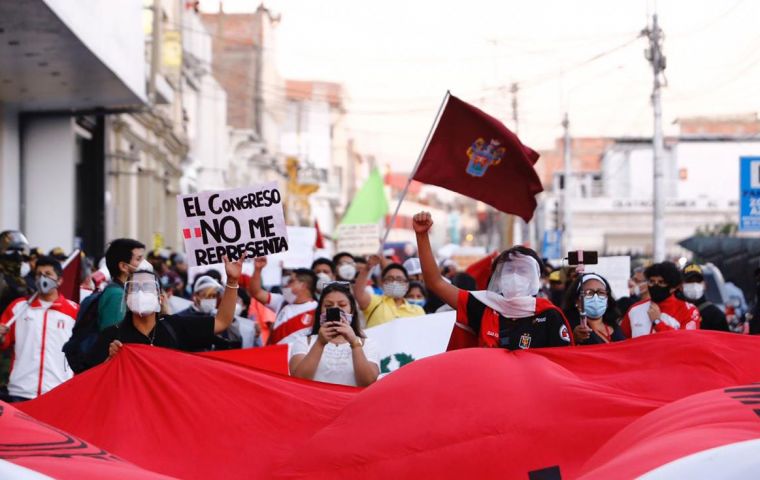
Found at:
[322, 280]
[635, 290]
[288, 295]
[347, 271]
[208, 305]
[395, 289]
[143, 303]
[25, 269]
[693, 291]
[519, 277]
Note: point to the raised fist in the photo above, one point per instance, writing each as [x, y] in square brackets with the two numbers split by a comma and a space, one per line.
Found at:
[422, 222]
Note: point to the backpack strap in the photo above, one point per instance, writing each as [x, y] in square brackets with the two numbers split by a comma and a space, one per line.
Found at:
[701, 307]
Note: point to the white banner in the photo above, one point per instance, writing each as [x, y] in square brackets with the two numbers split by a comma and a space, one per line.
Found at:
[616, 270]
[363, 239]
[301, 252]
[230, 222]
[405, 340]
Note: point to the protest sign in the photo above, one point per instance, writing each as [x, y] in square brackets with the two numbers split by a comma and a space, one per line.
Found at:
[407, 339]
[616, 270]
[232, 222]
[301, 252]
[360, 239]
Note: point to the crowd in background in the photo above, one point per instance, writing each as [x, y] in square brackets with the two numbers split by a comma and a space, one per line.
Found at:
[133, 295]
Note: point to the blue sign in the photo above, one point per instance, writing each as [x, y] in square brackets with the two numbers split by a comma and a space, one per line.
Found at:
[749, 195]
[552, 247]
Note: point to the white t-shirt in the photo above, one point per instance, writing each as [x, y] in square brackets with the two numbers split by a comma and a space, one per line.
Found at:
[336, 364]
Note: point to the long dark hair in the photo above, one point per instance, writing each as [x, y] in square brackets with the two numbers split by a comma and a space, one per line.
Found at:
[345, 290]
[611, 315]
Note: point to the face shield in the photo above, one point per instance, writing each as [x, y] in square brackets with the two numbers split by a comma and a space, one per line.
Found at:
[517, 277]
[141, 294]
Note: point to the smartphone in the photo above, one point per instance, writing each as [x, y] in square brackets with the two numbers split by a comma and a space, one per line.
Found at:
[332, 315]
[582, 257]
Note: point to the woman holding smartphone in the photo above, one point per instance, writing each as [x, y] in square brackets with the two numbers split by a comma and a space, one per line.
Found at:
[337, 351]
[592, 311]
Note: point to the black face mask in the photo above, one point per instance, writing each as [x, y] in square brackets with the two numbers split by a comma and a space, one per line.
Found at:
[658, 294]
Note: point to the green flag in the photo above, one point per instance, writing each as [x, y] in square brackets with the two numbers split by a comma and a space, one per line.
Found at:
[369, 204]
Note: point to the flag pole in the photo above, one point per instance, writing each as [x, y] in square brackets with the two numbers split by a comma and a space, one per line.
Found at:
[65, 264]
[414, 170]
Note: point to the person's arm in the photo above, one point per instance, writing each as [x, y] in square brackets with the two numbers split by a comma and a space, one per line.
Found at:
[305, 365]
[434, 282]
[363, 298]
[366, 372]
[226, 312]
[7, 333]
[255, 290]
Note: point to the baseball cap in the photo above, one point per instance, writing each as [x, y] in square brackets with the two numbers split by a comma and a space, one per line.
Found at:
[692, 271]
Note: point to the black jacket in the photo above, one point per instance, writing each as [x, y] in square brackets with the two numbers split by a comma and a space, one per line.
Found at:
[713, 317]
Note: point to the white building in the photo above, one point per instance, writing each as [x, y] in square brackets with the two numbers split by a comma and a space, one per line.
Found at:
[612, 209]
[58, 78]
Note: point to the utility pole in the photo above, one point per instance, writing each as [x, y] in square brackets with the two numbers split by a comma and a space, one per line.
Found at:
[155, 51]
[567, 174]
[655, 57]
[516, 226]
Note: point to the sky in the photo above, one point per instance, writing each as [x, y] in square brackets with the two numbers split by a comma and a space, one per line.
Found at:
[396, 59]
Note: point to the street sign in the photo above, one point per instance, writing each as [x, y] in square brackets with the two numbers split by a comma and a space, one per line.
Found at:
[749, 195]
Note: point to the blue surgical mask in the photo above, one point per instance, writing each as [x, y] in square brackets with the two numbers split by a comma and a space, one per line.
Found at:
[594, 307]
[420, 302]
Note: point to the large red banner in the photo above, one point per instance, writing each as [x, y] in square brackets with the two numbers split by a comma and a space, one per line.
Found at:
[607, 411]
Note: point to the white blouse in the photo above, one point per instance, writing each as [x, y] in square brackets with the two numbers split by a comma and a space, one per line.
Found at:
[336, 364]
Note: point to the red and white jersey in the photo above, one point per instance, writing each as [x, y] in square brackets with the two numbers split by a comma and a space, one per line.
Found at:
[292, 320]
[37, 338]
[675, 315]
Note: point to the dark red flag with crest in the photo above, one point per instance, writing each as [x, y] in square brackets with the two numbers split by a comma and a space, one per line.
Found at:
[472, 153]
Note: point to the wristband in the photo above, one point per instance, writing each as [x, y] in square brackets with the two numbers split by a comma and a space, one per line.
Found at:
[357, 343]
[232, 286]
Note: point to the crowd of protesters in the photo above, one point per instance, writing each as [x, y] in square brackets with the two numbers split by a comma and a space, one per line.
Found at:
[322, 312]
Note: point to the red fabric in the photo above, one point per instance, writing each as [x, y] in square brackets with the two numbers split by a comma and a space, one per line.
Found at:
[190, 417]
[320, 240]
[509, 184]
[273, 359]
[693, 424]
[71, 279]
[32, 444]
[481, 271]
[474, 413]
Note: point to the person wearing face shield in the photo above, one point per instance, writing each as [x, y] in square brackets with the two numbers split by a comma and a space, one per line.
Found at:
[392, 304]
[508, 314]
[42, 325]
[592, 311]
[14, 253]
[693, 290]
[663, 311]
[294, 308]
[123, 257]
[336, 350]
[143, 324]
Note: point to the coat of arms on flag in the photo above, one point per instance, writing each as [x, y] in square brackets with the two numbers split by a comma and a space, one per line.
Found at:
[483, 156]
